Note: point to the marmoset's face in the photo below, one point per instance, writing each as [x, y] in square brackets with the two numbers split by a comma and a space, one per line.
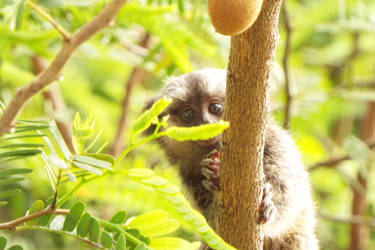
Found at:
[198, 98]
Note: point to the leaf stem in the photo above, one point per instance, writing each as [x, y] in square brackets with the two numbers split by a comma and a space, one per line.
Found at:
[55, 24]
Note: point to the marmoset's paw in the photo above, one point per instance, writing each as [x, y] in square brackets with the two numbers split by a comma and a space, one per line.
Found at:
[211, 170]
[267, 209]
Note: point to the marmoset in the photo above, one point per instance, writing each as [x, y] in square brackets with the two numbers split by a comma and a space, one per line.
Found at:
[287, 210]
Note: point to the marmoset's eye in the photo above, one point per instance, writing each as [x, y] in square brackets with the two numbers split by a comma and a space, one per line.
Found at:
[188, 114]
[215, 108]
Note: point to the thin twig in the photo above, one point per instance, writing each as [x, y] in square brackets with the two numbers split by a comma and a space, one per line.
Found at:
[11, 225]
[23, 94]
[349, 219]
[334, 161]
[55, 24]
[135, 76]
[288, 95]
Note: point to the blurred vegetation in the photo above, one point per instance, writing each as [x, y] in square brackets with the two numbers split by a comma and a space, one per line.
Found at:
[332, 78]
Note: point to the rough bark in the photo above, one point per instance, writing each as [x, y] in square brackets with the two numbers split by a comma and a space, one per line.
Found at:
[250, 62]
[359, 233]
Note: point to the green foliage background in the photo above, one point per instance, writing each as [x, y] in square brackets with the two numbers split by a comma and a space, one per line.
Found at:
[332, 60]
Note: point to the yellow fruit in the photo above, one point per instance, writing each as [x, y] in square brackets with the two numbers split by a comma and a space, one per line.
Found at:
[231, 17]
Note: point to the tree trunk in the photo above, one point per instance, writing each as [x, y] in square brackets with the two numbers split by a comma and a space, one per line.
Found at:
[247, 109]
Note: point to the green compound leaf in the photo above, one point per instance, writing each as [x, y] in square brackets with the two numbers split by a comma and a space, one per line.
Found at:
[195, 220]
[202, 132]
[97, 160]
[121, 243]
[21, 153]
[155, 181]
[73, 216]
[83, 226]
[164, 228]
[87, 167]
[145, 120]
[119, 217]
[141, 246]
[10, 181]
[92, 161]
[22, 145]
[9, 193]
[94, 230]
[35, 207]
[19, 14]
[13, 171]
[141, 173]
[106, 240]
[85, 129]
[143, 220]
[3, 242]
[169, 243]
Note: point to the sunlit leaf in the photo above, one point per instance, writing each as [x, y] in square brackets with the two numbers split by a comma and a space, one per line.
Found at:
[169, 243]
[87, 168]
[202, 132]
[147, 219]
[144, 121]
[60, 141]
[141, 172]
[163, 228]
[92, 161]
[57, 223]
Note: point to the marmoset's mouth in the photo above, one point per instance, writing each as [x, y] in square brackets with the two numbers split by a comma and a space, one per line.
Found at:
[209, 142]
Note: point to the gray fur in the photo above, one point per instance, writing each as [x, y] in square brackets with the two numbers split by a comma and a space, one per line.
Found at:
[293, 223]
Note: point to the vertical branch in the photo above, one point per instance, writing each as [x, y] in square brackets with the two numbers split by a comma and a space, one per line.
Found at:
[241, 170]
[288, 30]
[359, 233]
[135, 76]
[54, 96]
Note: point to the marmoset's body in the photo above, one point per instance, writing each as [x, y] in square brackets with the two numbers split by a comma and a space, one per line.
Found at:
[287, 211]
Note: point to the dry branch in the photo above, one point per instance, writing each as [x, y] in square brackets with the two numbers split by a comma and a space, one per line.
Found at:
[135, 76]
[50, 74]
[11, 225]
